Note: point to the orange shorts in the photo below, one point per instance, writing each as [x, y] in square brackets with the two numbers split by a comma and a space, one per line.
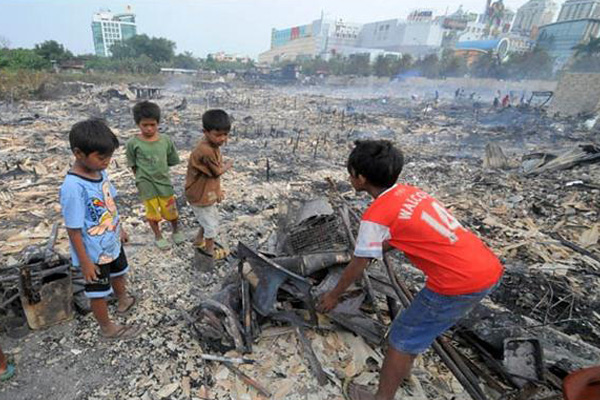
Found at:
[160, 208]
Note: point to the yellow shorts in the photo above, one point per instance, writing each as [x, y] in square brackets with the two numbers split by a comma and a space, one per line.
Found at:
[160, 208]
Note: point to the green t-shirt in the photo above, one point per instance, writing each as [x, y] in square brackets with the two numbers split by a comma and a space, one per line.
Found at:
[152, 161]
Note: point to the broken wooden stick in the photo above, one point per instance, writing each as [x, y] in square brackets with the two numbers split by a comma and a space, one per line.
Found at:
[367, 280]
[247, 380]
[309, 353]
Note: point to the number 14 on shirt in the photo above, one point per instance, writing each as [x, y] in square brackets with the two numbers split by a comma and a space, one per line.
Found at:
[445, 224]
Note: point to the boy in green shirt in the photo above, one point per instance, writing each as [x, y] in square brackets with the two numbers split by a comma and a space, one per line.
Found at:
[150, 155]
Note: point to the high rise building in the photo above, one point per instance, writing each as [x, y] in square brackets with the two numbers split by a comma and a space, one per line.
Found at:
[579, 9]
[532, 15]
[109, 28]
[578, 22]
[560, 38]
[419, 35]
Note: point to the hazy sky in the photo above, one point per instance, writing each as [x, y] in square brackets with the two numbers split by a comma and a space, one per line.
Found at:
[199, 26]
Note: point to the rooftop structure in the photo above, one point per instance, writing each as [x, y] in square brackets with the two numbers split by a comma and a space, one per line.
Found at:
[579, 9]
[533, 15]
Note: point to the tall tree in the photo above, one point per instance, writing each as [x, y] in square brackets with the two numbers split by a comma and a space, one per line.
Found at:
[22, 59]
[4, 42]
[359, 64]
[586, 57]
[451, 65]
[157, 49]
[486, 66]
[385, 65]
[429, 66]
[51, 50]
[590, 48]
[534, 64]
[186, 60]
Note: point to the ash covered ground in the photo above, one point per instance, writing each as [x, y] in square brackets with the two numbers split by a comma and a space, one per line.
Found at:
[286, 141]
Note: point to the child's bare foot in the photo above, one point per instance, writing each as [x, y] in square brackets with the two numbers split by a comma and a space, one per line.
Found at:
[359, 392]
[126, 304]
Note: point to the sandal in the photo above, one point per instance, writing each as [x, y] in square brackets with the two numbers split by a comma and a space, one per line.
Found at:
[179, 238]
[162, 244]
[125, 332]
[129, 307]
[220, 253]
[9, 373]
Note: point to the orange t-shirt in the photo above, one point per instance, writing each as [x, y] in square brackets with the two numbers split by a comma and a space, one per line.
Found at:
[454, 260]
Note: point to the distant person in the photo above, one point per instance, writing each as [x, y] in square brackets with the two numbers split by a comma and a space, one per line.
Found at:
[496, 102]
[7, 370]
[149, 155]
[506, 101]
[461, 270]
[457, 93]
[87, 200]
[203, 180]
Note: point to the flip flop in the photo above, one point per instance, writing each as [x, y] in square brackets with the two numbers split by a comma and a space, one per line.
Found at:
[200, 245]
[179, 238]
[9, 373]
[162, 244]
[125, 332]
[220, 253]
[202, 251]
[126, 311]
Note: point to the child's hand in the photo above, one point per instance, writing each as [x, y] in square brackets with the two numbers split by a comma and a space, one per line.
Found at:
[327, 302]
[90, 271]
[124, 236]
[227, 165]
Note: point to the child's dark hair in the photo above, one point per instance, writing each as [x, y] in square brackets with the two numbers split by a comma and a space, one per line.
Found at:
[216, 120]
[377, 160]
[146, 109]
[93, 135]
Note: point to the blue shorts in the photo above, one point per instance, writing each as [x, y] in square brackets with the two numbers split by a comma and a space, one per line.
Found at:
[429, 315]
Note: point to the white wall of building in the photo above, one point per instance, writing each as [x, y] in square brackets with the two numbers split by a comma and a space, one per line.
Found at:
[578, 9]
[532, 15]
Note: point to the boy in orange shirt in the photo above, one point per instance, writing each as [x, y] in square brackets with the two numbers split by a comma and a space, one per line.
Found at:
[460, 269]
[203, 180]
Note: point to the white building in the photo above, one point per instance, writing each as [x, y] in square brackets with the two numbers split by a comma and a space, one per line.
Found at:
[475, 30]
[579, 9]
[109, 28]
[339, 37]
[417, 37]
[532, 15]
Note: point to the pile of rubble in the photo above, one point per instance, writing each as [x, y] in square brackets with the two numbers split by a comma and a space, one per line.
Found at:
[529, 185]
